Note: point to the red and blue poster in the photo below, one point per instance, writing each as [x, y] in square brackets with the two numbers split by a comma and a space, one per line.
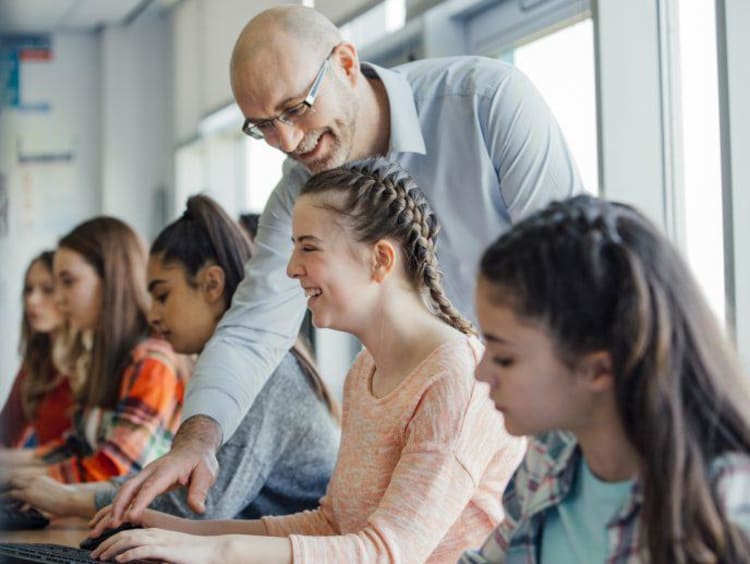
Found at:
[15, 49]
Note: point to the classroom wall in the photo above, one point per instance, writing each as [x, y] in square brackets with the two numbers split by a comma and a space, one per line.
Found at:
[47, 199]
[136, 123]
[108, 96]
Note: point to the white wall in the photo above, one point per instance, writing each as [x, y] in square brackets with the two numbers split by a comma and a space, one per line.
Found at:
[136, 120]
[108, 95]
[47, 199]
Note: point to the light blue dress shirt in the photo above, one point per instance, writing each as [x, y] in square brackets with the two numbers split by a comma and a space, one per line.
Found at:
[484, 148]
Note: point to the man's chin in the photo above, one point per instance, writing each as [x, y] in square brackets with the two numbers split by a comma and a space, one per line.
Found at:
[331, 158]
[320, 164]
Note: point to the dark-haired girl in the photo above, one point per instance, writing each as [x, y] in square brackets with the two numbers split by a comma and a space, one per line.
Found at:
[281, 457]
[40, 405]
[600, 344]
[129, 404]
[423, 456]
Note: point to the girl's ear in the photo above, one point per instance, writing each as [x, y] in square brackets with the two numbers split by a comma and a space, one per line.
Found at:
[383, 260]
[597, 369]
[212, 279]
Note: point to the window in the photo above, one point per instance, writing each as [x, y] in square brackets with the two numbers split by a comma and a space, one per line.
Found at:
[189, 175]
[701, 148]
[262, 173]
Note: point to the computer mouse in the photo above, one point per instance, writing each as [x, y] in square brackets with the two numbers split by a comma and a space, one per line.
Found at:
[90, 543]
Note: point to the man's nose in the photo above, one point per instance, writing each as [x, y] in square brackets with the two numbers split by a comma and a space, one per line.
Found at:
[289, 136]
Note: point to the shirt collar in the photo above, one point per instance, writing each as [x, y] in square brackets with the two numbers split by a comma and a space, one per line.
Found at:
[561, 457]
[564, 456]
[406, 131]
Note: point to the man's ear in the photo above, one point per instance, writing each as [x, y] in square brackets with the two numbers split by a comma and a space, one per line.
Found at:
[597, 368]
[383, 260]
[212, 280]
[348, 60]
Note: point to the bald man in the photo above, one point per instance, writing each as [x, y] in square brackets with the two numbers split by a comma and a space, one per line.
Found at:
[473, 132]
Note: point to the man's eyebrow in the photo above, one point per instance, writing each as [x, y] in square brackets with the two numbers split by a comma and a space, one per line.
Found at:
[281, 107]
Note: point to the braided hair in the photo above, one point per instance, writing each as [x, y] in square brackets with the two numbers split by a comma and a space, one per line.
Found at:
[380, 200]
[600, 276]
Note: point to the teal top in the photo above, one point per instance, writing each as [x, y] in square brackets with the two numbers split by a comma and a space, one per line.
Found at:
[575, 530]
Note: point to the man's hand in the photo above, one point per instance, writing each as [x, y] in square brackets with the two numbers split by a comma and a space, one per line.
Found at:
[191, 463]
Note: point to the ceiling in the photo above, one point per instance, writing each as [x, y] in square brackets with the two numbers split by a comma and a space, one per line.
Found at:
[44, 16]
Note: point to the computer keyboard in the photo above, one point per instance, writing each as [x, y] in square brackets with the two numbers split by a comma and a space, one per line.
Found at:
[51, 553]
[14, 518]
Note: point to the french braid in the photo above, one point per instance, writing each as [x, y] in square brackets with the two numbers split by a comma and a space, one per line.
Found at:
[381, 200]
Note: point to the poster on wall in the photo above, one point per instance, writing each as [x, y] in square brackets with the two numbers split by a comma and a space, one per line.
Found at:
[14, 50]
[4, 207]
[47, 176]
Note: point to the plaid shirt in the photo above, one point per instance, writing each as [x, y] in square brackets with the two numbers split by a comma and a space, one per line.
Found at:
[544, 479]
[115, 442]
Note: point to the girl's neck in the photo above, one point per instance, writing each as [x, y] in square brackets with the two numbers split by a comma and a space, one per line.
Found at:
[608, 452]
[400, 334]
[55, 334]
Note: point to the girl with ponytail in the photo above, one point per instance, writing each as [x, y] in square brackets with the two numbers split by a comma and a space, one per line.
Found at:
[600, 344]
[424, 456]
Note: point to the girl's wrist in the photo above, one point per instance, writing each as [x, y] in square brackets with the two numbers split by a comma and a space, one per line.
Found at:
[81, 502]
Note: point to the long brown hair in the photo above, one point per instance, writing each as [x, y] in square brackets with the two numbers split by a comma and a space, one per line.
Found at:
[36, 352]
[600, 276]
[378, 200]
[118, 255]
[205, 234]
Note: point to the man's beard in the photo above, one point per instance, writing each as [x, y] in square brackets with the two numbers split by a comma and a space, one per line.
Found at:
[341, 141]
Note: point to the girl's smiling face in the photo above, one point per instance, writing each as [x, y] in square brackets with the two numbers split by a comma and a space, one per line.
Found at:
[184, 311]
[332, 268]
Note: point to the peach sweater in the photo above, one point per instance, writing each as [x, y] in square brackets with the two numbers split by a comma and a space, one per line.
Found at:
[420, 472]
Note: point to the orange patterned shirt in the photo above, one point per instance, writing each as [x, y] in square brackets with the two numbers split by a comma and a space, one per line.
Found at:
[118, 441]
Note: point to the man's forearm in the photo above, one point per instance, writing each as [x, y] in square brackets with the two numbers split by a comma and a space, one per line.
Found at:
[198, 432]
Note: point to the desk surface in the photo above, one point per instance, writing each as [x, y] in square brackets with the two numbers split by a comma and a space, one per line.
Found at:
[69, 531]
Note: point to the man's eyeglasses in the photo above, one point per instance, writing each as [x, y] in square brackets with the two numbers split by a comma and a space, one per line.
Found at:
[290, 116]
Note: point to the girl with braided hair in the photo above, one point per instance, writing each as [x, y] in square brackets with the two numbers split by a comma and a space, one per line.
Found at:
[601, 346]
[424, 456]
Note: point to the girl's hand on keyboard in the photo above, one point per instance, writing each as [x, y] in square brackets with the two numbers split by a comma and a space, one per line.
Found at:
[160, 545]
[149, 518]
